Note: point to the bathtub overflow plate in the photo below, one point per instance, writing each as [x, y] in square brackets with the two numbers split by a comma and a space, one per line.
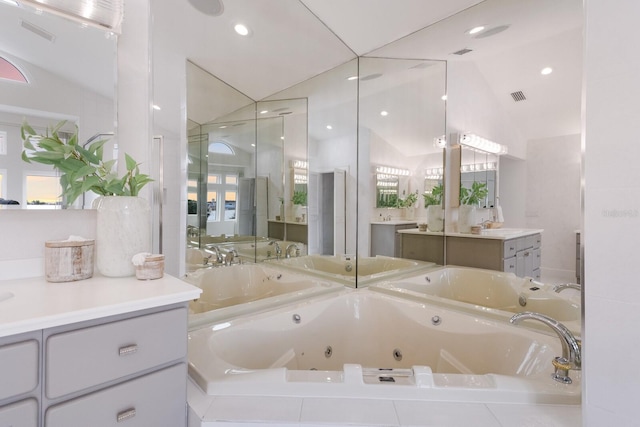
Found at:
[522, 300]
[296, 318]
[397, 354]
[436, 320]
[428, 279]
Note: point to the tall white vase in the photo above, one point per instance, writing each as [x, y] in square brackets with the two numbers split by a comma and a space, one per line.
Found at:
[435, 218]
[466, 218]
[123, 230]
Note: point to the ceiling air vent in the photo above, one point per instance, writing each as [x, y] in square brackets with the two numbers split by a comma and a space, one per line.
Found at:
[518, 96]
[462, 51]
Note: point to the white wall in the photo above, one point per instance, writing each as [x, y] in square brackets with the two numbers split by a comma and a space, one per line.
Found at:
[611, 213]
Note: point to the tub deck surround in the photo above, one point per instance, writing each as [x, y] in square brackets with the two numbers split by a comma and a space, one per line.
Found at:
[239, 289]
[365, 344]
[37, 304]
[487, 293]
[343, 268]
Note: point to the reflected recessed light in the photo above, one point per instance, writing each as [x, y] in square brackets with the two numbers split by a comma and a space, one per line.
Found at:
[444, 97]
[241, 29]
[329, 127]
[282, 138]
[352, 78]
[253, 145]
[156, 107]
[11, 2]
[264, 111]
[222, 127]
[384, 113]
[546, 70]
[475, 30]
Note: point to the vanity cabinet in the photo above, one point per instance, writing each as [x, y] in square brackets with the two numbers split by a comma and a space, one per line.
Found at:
[130, 367]
[20, 367]
[385, 239]
[521, 255]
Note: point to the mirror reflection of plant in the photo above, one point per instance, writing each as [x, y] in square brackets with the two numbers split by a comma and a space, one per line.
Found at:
[435, 197]
[82, 169]
[387, 201]
[474, 195]
[408, 201]
[299, 198]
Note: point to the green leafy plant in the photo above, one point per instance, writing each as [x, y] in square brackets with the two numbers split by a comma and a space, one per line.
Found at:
[82, 169]
[299, 198]
[387, 201]
[408, 201]
[435, 197]
[474, 195]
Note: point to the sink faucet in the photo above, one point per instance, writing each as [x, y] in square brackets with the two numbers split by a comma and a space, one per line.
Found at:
[287, 251]
[229, 256]
[278, 249]
[216, 252]
[563, 286]
[571, 352]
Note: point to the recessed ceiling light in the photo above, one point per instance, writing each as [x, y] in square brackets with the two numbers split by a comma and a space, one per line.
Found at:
[222, 127]
[444, 97]
[475, 30]
[253, 145]
[264, 111]
[11, 2]
[329, 127]
[156, 107]
[352, 78]
[282, 138]
[384, 113]
[241, 29]
[546, 70]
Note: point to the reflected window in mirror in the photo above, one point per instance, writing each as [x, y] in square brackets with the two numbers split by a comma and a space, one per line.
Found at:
[9, 71]
[42, 190]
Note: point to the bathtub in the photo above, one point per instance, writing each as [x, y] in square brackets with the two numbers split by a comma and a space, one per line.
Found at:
[342, 268]
[489, 293]
[239, 289]
[262, 251]
[361, 343]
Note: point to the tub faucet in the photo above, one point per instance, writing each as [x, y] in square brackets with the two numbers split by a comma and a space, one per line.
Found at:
[278, 249]
[287, 251]
[563, 286]
[216, 252]
[230, 256]
[571, 352]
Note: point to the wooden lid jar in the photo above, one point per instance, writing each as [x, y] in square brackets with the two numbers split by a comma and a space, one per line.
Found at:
[68, 260]
[151, 268]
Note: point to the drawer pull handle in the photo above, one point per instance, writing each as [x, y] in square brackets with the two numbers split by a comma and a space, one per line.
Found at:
[526, 253]
[127, 350]
[125, 415]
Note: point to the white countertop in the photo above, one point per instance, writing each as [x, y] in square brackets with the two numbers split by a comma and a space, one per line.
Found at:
[37, 304]
[394, 222]
[495, 233]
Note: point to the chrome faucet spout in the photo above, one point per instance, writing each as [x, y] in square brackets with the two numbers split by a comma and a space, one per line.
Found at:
[278, 249]
[563, 286]
[287, 251]
[571, 352]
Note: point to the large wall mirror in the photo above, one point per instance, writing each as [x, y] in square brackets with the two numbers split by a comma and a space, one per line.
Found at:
[63, 71]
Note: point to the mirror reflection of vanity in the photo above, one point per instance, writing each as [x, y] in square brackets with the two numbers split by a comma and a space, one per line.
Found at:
[80, 91]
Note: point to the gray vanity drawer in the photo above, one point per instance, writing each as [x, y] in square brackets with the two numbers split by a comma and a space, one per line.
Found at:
[19, 369]
[510, 265]
[87, 357]
[510, 248]
[20, 414]
[154, 400]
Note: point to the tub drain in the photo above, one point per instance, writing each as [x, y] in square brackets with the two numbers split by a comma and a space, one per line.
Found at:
[296, 318]
[397, 354]
[328, 352]
[436, 320]
[522, 301]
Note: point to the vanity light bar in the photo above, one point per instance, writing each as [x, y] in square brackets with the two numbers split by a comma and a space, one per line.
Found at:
[300, 179]
[435, 171]
[299, 164]
[392, 171]
[482, 144]
[489, 166]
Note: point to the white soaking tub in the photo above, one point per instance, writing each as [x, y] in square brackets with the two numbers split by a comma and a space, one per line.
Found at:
[366, 344]
[342, 268]
[489, 293]
[237, 289]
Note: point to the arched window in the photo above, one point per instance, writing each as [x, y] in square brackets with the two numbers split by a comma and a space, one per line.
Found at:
[11, 72]
[219, 147]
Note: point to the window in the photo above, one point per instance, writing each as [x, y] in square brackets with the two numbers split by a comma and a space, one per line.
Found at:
[42, 190]
[9, 71]
[219, 147]
[222, 188]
